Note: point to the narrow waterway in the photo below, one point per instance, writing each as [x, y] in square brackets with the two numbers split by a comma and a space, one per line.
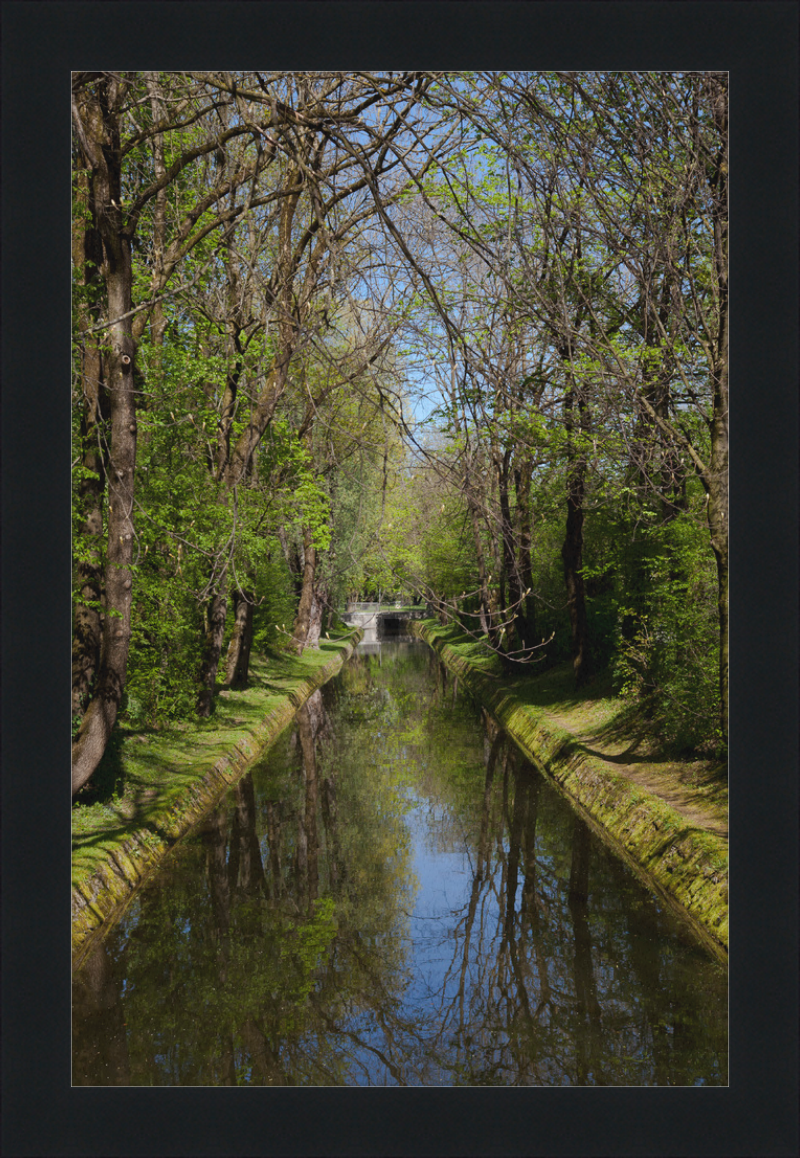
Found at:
[394, 896]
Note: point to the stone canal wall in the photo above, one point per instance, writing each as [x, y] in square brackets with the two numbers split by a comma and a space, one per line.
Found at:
[686, 865]
[110, 863]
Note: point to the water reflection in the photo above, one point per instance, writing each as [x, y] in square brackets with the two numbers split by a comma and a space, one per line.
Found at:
[394, 896]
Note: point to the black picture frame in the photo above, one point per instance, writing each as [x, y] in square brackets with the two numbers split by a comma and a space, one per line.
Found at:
[757, 1113]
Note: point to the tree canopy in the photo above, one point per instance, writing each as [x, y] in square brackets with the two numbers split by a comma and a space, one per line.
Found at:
[457, 338]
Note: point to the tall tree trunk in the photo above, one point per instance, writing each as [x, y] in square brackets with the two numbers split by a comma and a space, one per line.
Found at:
[158, 319]
[104, 153]
[572, 549]
[238, 659]
[318, 603]
[303, 620]
[87, 252]
[234, 357]
[472, 491]
[522, 486]
[485, 611]
[718, 478]
[511, 615]
[216, 610]
[290, 313]
[231, 465]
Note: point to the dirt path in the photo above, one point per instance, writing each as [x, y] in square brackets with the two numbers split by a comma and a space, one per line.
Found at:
[691, 788]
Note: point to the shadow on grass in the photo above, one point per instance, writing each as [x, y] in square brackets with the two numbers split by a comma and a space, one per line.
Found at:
[116, 823]
[277, 686]
[127, 764]
[128, 759]
[630, 722]
[557, 686]
[108, 778]
[627, 757]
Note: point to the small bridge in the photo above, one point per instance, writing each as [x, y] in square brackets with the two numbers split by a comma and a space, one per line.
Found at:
[381, 622]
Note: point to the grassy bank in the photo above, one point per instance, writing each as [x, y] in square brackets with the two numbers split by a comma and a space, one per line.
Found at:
[666, 816]
[153, 786]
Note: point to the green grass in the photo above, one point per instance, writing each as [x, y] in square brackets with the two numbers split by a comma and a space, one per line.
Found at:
[145, 771]
[605, 721]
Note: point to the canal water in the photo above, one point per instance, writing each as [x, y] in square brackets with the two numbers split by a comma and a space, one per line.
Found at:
[393, 895]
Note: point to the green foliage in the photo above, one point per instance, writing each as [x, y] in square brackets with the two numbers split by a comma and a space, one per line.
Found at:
[667, 646]
[166, 638]
[561, 207]
[306, 502]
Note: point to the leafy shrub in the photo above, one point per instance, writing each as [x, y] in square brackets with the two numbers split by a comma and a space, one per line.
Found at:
[667, 645]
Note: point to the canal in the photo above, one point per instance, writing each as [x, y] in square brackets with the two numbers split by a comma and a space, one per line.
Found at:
[393, 895]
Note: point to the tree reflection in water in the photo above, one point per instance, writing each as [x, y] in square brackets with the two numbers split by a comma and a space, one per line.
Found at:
[394, 896]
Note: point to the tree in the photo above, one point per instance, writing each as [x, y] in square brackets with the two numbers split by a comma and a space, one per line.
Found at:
[113, 200]
[619, 226]
[273, 270]
[671, 232]
[97, 107]
[327, 168]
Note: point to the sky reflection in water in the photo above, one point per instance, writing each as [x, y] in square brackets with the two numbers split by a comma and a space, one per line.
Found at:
[394, 896]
